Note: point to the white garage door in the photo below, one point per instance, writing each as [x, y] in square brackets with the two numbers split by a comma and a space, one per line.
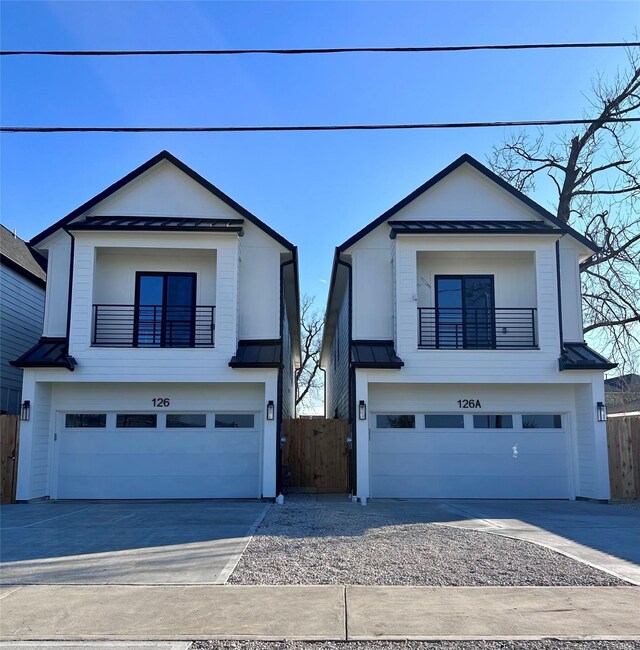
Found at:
[450, 455]
[158, 456]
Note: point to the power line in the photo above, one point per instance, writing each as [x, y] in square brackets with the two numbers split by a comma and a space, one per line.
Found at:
[317, 127]
[320, 50]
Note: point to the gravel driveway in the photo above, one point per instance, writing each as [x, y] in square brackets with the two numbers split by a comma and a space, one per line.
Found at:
[310, 542]
[547, 644]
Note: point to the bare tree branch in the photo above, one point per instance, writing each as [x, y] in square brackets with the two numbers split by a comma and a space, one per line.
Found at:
[596, 173]
[309, 381]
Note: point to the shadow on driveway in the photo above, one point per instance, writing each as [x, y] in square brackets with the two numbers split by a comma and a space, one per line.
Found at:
[171, 542]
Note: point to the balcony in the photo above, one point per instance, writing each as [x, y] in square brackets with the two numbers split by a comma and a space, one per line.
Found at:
[153, 326]
[469, 328]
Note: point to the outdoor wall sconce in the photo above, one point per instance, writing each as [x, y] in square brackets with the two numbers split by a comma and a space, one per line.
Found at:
[602, 412]
[25, 410]
[270, 410]
[362, 410]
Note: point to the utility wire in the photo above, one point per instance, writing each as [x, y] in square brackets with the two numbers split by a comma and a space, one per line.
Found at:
[318, 127]
[320, 50]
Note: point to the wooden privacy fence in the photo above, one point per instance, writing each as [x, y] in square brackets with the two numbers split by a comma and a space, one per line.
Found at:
[623, 439]
[9, 427]
[317, 455]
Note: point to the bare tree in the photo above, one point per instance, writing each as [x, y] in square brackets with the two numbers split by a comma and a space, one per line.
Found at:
[596, 173]
[309, 381]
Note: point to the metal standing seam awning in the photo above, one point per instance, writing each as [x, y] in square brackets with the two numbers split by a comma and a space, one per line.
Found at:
[47, 353]
[465, 227]
[200, 224]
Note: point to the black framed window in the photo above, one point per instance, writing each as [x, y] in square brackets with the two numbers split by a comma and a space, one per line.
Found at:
[186, 420]
[85, 420]
[493, 422]
[165, 310]
[136, 420]
[465, 315]
[541, 421]
[390, 421]
[443, 421]
[234, 421]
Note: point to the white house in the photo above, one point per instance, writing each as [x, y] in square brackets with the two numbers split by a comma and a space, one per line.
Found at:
[453, 343]
[171, 333]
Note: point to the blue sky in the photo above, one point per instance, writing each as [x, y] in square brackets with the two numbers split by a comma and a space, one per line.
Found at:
[316, 189]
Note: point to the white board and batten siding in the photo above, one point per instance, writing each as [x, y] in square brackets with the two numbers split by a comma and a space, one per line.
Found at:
[467, 462]
[161, 462]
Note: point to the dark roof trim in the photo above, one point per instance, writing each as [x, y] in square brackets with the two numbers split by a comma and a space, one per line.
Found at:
[579, 356]
[258, 354]
[159, 224]
[466, 158]
[163, 155]
[475, 227]
[375, 354]
[25, 273]
[48, 352]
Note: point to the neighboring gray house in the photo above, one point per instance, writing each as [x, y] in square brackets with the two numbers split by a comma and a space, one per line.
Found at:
[22, 289]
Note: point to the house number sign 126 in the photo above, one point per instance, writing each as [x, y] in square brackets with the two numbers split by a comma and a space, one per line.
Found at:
[469, 404]
[161, 402]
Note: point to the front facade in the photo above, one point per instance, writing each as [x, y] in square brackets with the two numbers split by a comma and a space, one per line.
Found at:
[167, 357]
[453, 343]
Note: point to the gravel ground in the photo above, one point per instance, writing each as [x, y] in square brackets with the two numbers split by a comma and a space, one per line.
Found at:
[547, 644]
[309, 542]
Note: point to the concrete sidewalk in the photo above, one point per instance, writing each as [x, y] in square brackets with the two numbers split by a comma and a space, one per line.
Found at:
[150, 613]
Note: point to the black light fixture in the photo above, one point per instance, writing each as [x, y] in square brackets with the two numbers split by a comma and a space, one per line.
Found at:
[362, 410]
[25, 410]
[602, 412]
[270, 410]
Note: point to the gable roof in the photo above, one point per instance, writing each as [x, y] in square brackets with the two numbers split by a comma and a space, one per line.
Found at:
[152, 162]
[17, 255]
[470, 160]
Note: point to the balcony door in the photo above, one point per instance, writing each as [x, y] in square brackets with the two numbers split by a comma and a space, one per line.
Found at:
[465, 311]
[165, 310]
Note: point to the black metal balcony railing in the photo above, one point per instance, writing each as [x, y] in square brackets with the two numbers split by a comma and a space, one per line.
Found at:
[153, 326]
[472, 328]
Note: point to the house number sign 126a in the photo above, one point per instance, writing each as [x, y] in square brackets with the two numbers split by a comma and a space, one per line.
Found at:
[161, 402]
[469, 404]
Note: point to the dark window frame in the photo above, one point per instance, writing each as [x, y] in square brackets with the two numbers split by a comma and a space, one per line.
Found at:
[193, 426]
[396, 415]
[83, 426]
[491, 321]
[249, 428]
[450, 415]
[124, 415]
[493, 415]
[163, 321]
[557, 419]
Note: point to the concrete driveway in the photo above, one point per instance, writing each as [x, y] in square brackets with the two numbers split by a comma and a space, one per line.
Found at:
[606, 536]
[127, 543]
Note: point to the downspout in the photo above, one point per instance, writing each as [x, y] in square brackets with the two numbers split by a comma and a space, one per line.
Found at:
[280, 377]
[71, 265]
[559, 292]
[353, 467]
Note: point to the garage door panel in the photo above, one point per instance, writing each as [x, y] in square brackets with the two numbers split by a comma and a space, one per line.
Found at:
[470, 487]
[108, 441]
[472, 441]
[465, 464]
[163, 487]
[158, 463]
[161, 464]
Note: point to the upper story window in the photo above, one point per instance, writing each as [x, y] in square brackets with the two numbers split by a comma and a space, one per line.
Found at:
[165, 309]
[465, 317]
[464, 311]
